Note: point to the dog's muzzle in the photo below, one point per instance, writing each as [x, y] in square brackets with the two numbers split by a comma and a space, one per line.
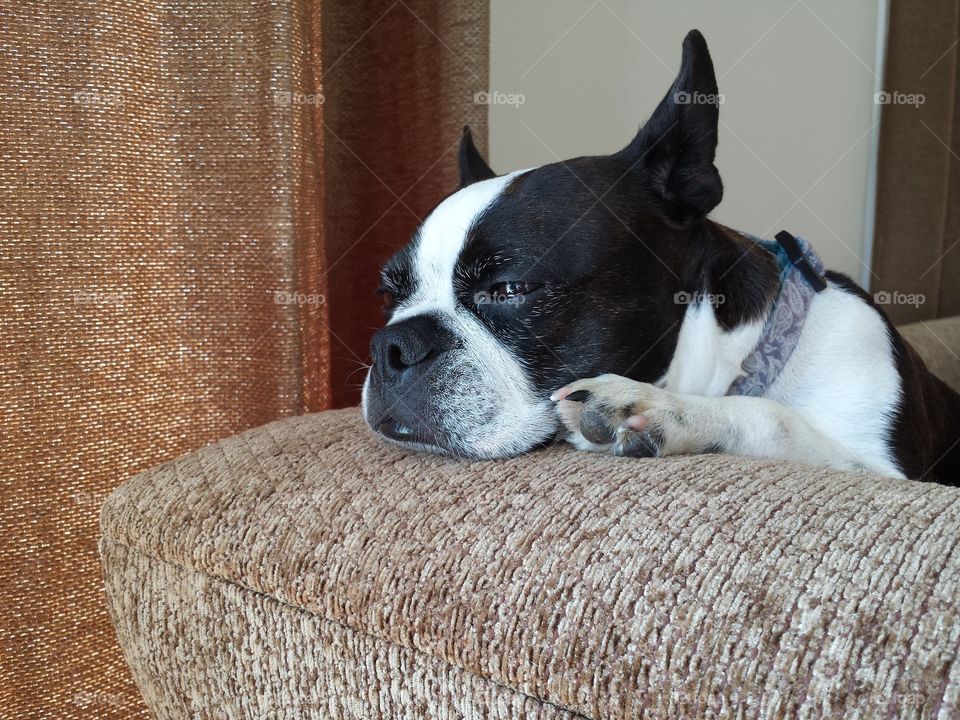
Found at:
[405, 358]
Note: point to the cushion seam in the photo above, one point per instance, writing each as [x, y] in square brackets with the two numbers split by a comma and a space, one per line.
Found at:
[349, 628]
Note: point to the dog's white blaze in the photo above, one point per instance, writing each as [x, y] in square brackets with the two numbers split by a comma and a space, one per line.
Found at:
[489, 377]
[442, 237]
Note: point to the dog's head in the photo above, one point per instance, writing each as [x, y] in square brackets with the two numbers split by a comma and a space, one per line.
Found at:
[517, 284]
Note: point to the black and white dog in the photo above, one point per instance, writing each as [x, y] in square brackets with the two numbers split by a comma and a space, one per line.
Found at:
[595, 298]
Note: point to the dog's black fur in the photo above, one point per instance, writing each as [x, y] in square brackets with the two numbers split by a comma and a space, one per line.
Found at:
[606, 243]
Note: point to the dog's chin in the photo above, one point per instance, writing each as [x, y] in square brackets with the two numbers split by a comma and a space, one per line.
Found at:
[416, 437]
[466, 452]
[406, 436]
[463, 414]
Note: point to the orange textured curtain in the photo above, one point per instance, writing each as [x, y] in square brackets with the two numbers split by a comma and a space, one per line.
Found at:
[195, 199]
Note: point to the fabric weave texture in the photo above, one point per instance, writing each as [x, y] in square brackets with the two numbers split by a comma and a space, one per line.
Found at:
[308, 569]
[196, 196]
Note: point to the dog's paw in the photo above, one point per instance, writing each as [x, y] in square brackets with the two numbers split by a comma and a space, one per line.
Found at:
[610, 413]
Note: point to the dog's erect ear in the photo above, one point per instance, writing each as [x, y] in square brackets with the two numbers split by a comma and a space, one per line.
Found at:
[473, 167]
[679, 141]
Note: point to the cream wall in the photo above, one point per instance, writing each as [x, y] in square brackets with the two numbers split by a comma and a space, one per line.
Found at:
[797, 122]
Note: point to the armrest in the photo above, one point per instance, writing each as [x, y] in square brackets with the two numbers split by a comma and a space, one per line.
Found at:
[307, 556]
[938, 343]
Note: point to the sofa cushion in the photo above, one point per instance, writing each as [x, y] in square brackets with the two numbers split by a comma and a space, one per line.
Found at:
[938, 343]
[307, 569]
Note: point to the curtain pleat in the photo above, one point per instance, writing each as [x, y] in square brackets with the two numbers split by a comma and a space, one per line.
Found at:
[412, 66]
[180, 253]
[916, 258]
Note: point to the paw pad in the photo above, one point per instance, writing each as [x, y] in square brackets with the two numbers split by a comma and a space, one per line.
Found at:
[606, 425]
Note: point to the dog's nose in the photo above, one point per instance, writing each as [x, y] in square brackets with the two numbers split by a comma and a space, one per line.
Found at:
[408, 343]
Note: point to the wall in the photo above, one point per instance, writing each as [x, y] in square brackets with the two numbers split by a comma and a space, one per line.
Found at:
[797, 122]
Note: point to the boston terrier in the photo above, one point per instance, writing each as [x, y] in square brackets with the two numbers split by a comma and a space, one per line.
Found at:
[593, 300]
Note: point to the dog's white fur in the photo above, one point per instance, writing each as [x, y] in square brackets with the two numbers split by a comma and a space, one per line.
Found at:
[707, 359]
[487, 383]
[831, 405]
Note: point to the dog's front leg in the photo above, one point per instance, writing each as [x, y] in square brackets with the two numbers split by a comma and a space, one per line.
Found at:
[610, 413]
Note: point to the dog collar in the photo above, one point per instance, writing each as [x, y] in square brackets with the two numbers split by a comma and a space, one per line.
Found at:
[801, 277]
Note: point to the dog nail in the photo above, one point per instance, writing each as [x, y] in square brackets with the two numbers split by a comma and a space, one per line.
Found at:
[578, 396]
[636, 422]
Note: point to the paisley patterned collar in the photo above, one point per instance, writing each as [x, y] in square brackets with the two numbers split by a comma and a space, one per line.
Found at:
[801, 277]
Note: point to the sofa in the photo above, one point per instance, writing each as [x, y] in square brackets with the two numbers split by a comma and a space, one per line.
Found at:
[305, 569]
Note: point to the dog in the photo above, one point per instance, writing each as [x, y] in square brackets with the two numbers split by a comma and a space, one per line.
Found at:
[594, 300]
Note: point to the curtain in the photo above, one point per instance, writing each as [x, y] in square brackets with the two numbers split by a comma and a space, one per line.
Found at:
[195, 200]
[916, 257]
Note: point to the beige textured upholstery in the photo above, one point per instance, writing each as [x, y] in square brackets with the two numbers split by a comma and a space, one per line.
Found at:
[304, 569]
[938, 342]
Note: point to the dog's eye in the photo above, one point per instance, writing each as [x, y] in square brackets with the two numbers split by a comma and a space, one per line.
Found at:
[511, 289]
[509, 292]
[387, 300]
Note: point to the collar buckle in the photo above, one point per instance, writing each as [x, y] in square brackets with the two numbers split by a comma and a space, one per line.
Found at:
[799, 260]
